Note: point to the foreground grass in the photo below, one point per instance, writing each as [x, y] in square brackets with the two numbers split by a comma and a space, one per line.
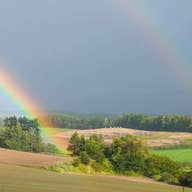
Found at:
[180, 155]
[22, 179]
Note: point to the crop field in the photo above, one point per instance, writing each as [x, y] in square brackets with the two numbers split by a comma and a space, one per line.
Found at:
[152, 138]
[181, 155]
[22, 179]
[29, 159]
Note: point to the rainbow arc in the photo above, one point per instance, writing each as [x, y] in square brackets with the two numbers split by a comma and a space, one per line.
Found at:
[26, 105]
[139, 15]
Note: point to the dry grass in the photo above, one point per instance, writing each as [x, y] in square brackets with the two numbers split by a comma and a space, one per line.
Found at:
[152, 138]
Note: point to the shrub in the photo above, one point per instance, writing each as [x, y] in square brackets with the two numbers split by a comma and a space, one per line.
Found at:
[105, 166]
[168, 178]
[76, 162]
[97, 166]
[84, 158]
[186, 179]
[156, 165]
[50, 148]
[84, 169]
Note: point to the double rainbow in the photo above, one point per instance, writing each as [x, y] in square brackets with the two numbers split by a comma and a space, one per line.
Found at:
[138, 15]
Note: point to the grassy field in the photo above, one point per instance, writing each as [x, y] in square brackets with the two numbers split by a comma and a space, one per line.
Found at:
[181, 155]
[22, 179]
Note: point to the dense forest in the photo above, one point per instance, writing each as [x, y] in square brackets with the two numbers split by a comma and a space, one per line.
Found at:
[126, 156]
[23, 134]
[128, 120]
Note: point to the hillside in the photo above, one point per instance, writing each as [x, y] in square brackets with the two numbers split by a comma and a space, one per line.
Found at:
[29, 159]
[22, 179]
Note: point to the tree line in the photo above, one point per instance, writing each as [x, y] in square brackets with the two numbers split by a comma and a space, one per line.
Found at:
[23, 134]
[169, 122]
[126, 156]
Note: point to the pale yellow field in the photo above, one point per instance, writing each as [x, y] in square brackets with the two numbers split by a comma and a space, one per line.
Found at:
[152, 138]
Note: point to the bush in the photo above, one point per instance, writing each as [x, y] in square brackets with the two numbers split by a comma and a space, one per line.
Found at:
[51, 148]
[105, 166]
[156, 165]
[97, 166]
[84, 169]
[76, 162]
[84, 158]
[186, 179]
[168, 178]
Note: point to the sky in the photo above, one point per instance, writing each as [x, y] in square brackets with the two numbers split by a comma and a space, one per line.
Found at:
[90, 57]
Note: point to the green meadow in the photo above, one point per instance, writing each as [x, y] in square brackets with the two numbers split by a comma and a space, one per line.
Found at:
[22, 179]
[180, 155]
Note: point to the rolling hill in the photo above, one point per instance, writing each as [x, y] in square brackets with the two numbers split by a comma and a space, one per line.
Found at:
[22, 179]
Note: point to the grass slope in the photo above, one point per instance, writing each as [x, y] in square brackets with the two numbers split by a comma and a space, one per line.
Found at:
[180, 155]
[22, 179]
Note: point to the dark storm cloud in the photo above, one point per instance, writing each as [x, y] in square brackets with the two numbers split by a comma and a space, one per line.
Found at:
[84, 56]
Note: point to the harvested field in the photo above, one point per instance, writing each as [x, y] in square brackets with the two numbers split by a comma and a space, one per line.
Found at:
[152, 138]
[28, 159]
[25, 179]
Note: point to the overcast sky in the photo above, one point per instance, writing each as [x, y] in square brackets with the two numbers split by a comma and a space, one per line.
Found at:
[87, 56]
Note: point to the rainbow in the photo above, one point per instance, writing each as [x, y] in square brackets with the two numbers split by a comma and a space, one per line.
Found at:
[139, 15]
[25, 104]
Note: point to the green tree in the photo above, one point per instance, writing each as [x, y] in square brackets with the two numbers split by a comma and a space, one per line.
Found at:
[75, 144]
[23, 134]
